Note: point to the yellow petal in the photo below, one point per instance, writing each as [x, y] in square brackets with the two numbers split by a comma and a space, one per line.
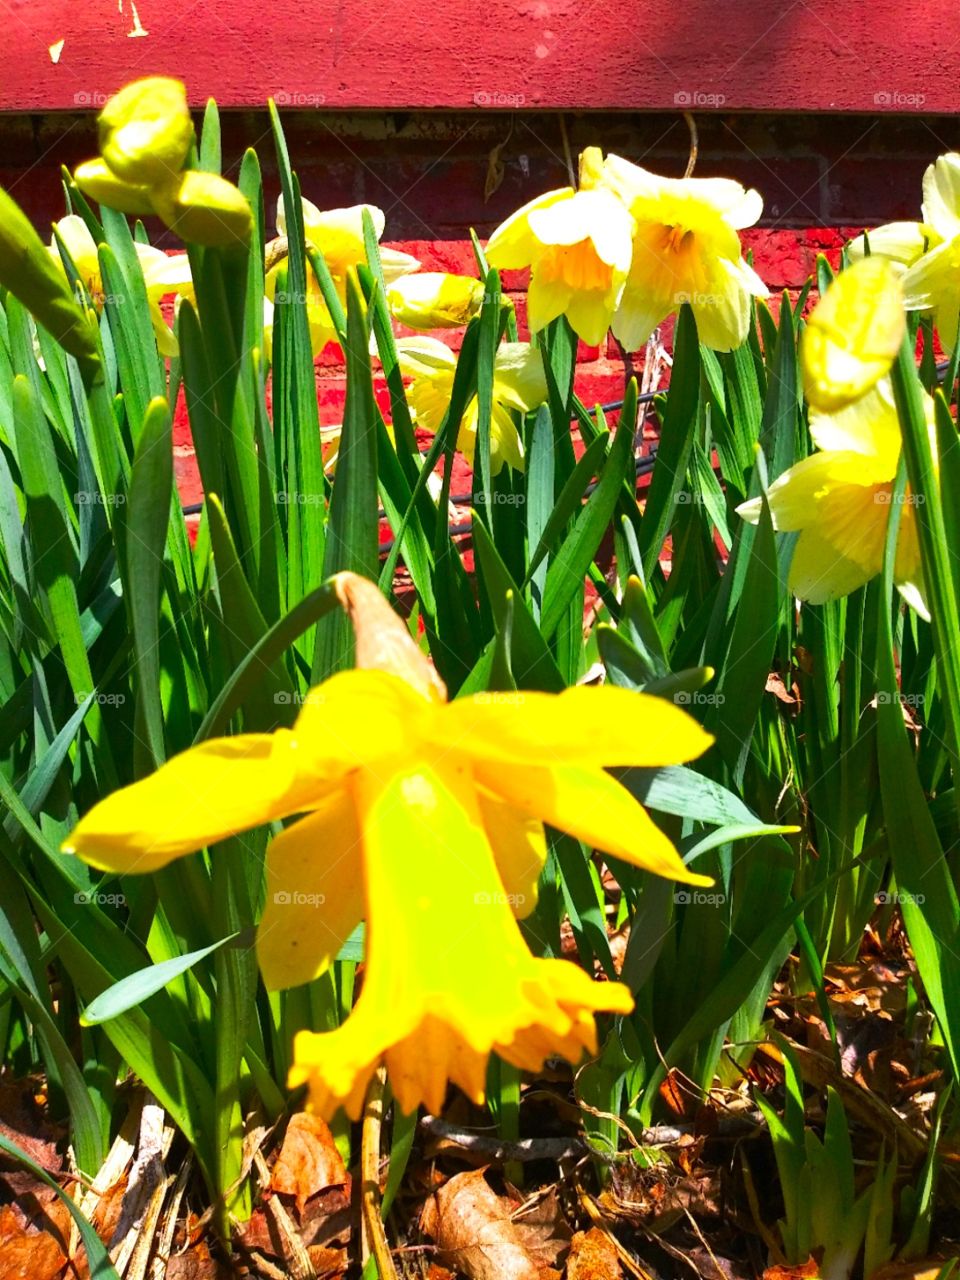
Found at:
[546, 300]
[637, 316]
[205, 209]
[97, 180]
[868, 426]
[434, 300]
[146, 130]
[818, 572]
[583, 726]
[513, 245]
[941, 195]
[932, 275]
[356, 719]
[519, 847]
[902, 242]
[592, 806]
[519, 381]
[217, 789]
[448, 977]
[853, 334]
[314, 894]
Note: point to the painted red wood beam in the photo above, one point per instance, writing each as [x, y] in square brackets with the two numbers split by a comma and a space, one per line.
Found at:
[761, 55]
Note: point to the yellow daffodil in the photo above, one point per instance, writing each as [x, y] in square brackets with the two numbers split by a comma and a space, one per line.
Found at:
[839, 499]
[853, 334]
[434, 300]
[146, 130]
[203, 208]
[425, 818]
[162, 273]
[338, 235]
[685, 249]
[928, 252]
[97, 180]
[577, 245]
[519, 385]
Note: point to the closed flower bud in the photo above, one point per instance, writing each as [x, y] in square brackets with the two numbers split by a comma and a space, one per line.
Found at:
[29, 272]
[203, 208]
[853, 334]
[146, 130]
[98, 181]
[434, 300]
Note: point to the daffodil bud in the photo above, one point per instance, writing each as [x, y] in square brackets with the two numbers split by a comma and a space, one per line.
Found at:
[29, 272]
[591, 167]
[203, 208]
[146, 130]
[434, 300]
[98, 181]
[853, 334]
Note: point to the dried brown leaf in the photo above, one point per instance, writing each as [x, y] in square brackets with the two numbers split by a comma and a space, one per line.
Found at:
[476, 1234]
[26, 1254]
[593, 1256]
[309, 1160]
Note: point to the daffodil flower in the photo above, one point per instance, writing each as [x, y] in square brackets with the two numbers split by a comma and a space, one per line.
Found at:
[685, 249]
[577, 245]
[839, 500]
[519, 385]
[434, 300]
[853, 334]
[928, 252]
[425, 818]
[338, 235]
[162, 273]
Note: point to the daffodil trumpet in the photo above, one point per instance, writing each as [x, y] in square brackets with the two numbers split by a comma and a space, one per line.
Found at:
[431, 828]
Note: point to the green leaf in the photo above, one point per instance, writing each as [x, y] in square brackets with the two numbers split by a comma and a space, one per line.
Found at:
[131, 991]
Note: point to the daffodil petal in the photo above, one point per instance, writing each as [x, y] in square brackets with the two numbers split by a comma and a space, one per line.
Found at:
[215, 790]
[941, 195]
[583, 726]
[636, 317]
[513, 245]
[902, 242]
[592, 806]
[819, 573]
[931, 276]
[546, 300]
[314, 894]
[519, 847]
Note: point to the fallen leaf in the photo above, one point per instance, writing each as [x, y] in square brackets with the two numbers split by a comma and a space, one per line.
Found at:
[593, 1256]
[308, 1161]
[799, 1272]
[327, 1262]
[476, 1234]
[25, 1254]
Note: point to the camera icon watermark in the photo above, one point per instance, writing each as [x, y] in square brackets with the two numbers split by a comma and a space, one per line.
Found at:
[886, 498]
[94, 898]
[101, 699]
[94, 498]
[884, 898]
[913, 700]
[285, 699]
[283, 98]
[284, 898]
[90, 98]
[698, 898]
[497, 98]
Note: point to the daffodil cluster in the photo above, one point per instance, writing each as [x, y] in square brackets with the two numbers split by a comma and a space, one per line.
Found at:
[927, 253]
[628, 248]
[840, 498]
[425, 819]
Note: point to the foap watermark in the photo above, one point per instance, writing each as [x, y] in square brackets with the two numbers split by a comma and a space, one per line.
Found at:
[297, 899]
[897, 898]
[286, 699]
[697, 698]
[94, 498]
[291, 498]
[697, 299]
[285, 297]
[897, 99]
[509, 698]
[286, 99]
[90, 98]
[886, 498]
[500, 499]
[484, 899]
[687, 499]
[698, 98]
[498, 98]
[698, 898]
[101, 699]
[905, 699]
[95, 898]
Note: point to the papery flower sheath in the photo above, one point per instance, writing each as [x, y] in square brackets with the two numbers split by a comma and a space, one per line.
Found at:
[519, 385]
[577, 245]
[425, 818]
[685, 249]
[163, 273]
[338, 235]
[839, 499]
[927, 252]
